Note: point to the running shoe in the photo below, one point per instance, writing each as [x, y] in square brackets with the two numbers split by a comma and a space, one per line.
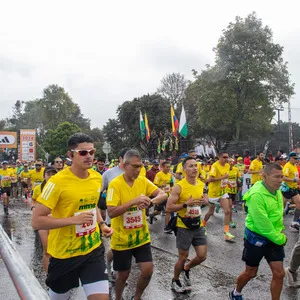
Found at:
[233, 297]
[234, 209]
[177, 287]
[232, 224]
[187, 280]
[217, 207]
[295, 226]
[228, 237]
[167, 229]
[291, 278]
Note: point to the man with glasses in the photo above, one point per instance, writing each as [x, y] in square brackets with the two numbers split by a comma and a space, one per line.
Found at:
[217, 183]
[58, 164]
[127, 200]
[290, 186]
[74, 241]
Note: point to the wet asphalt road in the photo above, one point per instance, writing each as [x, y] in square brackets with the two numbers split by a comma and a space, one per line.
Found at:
[212, 280]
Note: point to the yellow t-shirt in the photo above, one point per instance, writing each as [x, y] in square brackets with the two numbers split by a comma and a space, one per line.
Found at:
[36, 177]
[290, 171]
[36, 192]
[233, 175]
[6, 177]
[68, 195]
[163, 181]
[255, 165]
[15, 175]
[188, 190]
[143, 171]
[218, 188]
[130, 229]
[24, 176]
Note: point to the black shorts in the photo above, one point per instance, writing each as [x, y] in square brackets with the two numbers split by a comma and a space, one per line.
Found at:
[252, 255]
[6, 190]
[290, 194]
[24, 185]
[102, 203]
[64, 274]
[122, 258]
[160, 207]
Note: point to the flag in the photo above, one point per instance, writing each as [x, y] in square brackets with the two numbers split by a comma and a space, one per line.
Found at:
[158, 146]
[163, 145]
[174, 122]
[147, 129]
[142, 126]
[183, 130]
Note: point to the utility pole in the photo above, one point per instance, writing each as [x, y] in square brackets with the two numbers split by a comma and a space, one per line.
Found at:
[291, 140]
[279, 109]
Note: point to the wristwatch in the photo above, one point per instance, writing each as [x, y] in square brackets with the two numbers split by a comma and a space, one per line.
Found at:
[184, 205]
[101, 223]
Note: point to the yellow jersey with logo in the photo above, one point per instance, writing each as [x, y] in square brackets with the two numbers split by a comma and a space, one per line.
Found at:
[163, 181]
[256, 165]
[290, 171]
[24, 176]
[188, 190]
[68, 195]
[233, 175]
[131, 228]
[36, 177]
[217, 189]
[6, 177]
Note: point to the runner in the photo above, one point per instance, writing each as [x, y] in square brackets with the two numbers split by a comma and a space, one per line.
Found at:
[7, 176]
[58, 163]
[48, 172]
[263, 233]
[74, 241]
[100, 165]
[217, 182]
[256, 167]
[289, 187]
[36, 175]
[127, 197]
[186, 199]
[24, 177]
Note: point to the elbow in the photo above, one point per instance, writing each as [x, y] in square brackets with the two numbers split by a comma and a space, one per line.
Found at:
[34, 224]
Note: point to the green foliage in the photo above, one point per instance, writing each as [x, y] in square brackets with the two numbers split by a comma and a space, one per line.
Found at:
[56, 140]
[236, 97]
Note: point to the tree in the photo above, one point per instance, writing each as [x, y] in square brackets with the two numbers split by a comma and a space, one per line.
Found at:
[56, 140]
[236, 97]
[172, 87]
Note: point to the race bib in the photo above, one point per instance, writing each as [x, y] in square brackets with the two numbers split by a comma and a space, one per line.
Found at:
[86, 228]
[232, 183]
[133, 219]
[193, 212]
[224, 183]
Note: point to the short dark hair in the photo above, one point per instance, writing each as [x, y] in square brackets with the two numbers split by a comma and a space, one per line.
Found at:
[166, 163]
[271, 166]
[78, 138]
[101, 159]
[222, 152]
[259, 152]
[186, 160]
[191, 151]
[123, 151]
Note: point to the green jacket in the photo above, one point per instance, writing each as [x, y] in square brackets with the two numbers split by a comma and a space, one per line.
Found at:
[265, 213]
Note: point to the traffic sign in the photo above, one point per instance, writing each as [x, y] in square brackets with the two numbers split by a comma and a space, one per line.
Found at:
[106, 148]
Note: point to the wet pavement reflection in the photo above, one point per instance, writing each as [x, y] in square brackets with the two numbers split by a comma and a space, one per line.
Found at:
[212, 280]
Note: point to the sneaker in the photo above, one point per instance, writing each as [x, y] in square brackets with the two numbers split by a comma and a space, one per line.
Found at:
[295, 226]
[177, 287]
[228, 237]
[187, 280]
[233, 297]
[217, 207]
[232, 224]
[291, 278]
[167, 229]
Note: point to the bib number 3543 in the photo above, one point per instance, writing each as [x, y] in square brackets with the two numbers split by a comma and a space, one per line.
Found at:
[133, 219]
[86, 228]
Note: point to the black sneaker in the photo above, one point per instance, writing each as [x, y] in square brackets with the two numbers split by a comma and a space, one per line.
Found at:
[233, 297]
[167, 229]
[295, 226]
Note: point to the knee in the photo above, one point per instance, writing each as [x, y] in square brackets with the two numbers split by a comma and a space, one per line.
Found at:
[227, 211]
[278, 274]
[183, 257]
[147, 274]
[122, 276]
[251, 273]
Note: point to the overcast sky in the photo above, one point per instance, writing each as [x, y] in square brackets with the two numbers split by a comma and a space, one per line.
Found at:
[106, 52]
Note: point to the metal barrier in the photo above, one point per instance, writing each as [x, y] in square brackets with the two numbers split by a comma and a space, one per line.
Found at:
[25, 282]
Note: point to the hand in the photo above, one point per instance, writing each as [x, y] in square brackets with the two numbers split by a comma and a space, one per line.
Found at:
[83, 218]
[225, 176]
[107, 231]
[142, 201]
[193, 201]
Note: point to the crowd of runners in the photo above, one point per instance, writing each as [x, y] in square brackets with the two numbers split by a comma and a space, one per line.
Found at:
[75, 205]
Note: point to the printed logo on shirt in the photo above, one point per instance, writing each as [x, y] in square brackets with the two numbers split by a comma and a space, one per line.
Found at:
[48, 190]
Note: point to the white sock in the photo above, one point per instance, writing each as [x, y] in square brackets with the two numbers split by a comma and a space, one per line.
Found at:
[235, 293]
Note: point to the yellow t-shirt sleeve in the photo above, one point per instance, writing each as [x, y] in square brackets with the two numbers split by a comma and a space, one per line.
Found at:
[253, 166]
[113, 197]
[156, 179]
[36, 192]
[50, 194]
[213, 171]
[286, 172]
[150, 188]
[179, 168]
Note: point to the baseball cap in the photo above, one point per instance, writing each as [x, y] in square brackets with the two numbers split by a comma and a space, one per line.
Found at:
[239, 158]
[50, 169]
[294, 155]
[5, 162]
[155, 162]
[184, 155]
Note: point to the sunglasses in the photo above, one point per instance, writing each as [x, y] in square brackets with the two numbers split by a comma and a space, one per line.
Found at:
[38, 165]
[85, 152]
[58, 162]
[225, 157]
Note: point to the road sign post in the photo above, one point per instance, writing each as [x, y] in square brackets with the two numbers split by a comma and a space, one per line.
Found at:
[106, 149]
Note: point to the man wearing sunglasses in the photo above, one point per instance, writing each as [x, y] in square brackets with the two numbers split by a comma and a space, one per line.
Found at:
[217, 183]
[58, 164]
[74, 242]
[128, 196]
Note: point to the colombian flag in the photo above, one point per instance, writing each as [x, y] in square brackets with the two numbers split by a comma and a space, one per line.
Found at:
[147, 128]
[174, 122]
